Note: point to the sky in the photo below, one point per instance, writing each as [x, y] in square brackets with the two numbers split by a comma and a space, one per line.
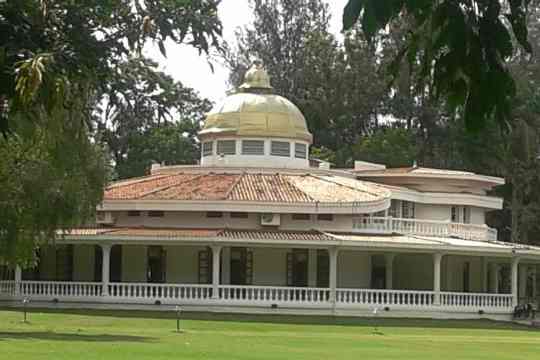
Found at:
[185, 64]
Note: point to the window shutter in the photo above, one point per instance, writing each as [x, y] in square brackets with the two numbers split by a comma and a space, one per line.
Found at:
[226, 147]
[289, 269]
[207, 148]
[252, 147]
[249, 267]
[280, 148]
[205, 267]
[300, 150]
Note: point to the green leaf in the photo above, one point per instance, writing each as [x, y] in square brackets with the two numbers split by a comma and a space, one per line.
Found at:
[351, 13]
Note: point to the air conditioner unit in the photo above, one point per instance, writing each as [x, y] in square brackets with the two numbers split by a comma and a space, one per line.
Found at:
[104, 217]
[270, 219]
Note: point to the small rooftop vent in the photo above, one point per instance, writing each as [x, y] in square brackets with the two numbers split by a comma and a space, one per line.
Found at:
[367, 166]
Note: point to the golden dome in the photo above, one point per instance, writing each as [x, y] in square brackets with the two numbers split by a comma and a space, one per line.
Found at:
[254, 112]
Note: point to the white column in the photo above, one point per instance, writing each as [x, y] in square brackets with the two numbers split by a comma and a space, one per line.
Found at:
[494, 278]
[389, 271]
[312, 264]
[515, 265]
[216, 251]
[522, 281]
[105, 268]
[437, 278]
[484, 275]
[18, 280]
[333, 257]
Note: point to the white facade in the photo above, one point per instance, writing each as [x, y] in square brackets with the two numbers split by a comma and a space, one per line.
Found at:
[255, 229]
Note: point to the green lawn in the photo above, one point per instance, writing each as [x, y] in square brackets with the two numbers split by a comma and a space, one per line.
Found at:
[139, 335]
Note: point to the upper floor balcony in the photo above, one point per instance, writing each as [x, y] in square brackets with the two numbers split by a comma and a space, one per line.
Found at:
[390, 225]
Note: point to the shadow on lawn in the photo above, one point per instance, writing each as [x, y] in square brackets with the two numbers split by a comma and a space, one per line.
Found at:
[380, 322]
[53, 336]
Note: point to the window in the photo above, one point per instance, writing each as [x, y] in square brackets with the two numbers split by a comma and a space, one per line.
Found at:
[253, 147]
[214, 214]
[301, 217]
[300, 150]
[226, 147]
[466, 276]
[325, 217]
[156, 264]
[407, 210]
[466, 215]
[297, 268]
[134, 213]
[239, 215]
[207, 148]
[461, 214]
[156, 214]
[281, 148]
[395, 207]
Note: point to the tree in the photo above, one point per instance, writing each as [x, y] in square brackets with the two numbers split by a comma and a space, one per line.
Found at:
[56, 58]
[148, 117]
[311, 68]
[462, 46]
[392, 146]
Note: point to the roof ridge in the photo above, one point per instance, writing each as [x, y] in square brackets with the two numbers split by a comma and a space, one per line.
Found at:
[153, 191]
[137, 180]
[285, 178]
[234, 185]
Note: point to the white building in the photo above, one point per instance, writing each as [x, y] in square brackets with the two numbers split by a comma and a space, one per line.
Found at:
[254, 228]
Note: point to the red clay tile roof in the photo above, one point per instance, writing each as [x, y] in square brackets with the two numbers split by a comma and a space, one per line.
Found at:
[267, 187]
[246, 187]
[204, 233]
[145, 232]
[275, 235]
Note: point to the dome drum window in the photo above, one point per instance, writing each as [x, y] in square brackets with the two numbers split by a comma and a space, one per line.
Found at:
[253, 147]
[226, 147]
[280, 148]
[207, 148]
[300, 150]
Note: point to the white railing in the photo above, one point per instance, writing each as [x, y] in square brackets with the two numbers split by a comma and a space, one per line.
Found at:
[475, 300]
[258, 295]
[389, 225]
[273, 294]
[176, 292]
[7, 287]
[59, 289]
[385, 297]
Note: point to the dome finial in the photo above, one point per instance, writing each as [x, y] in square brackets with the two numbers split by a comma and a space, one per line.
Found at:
[256, 78]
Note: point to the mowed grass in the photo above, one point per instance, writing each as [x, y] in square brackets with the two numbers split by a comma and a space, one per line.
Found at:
[145, 335]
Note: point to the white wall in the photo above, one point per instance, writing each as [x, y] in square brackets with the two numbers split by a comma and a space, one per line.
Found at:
[187, 220]
[183, 264]
[270, 266]
[134, 258]
[354, 269]
[413, 272]
[266, 160]
[453, 269]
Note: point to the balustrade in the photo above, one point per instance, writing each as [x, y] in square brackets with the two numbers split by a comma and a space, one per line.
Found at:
[60, 289]
[385, 297]
[475, 300]
[389, 225]
[259, 295]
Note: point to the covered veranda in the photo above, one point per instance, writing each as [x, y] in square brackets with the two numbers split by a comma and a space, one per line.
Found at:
[284, 270]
